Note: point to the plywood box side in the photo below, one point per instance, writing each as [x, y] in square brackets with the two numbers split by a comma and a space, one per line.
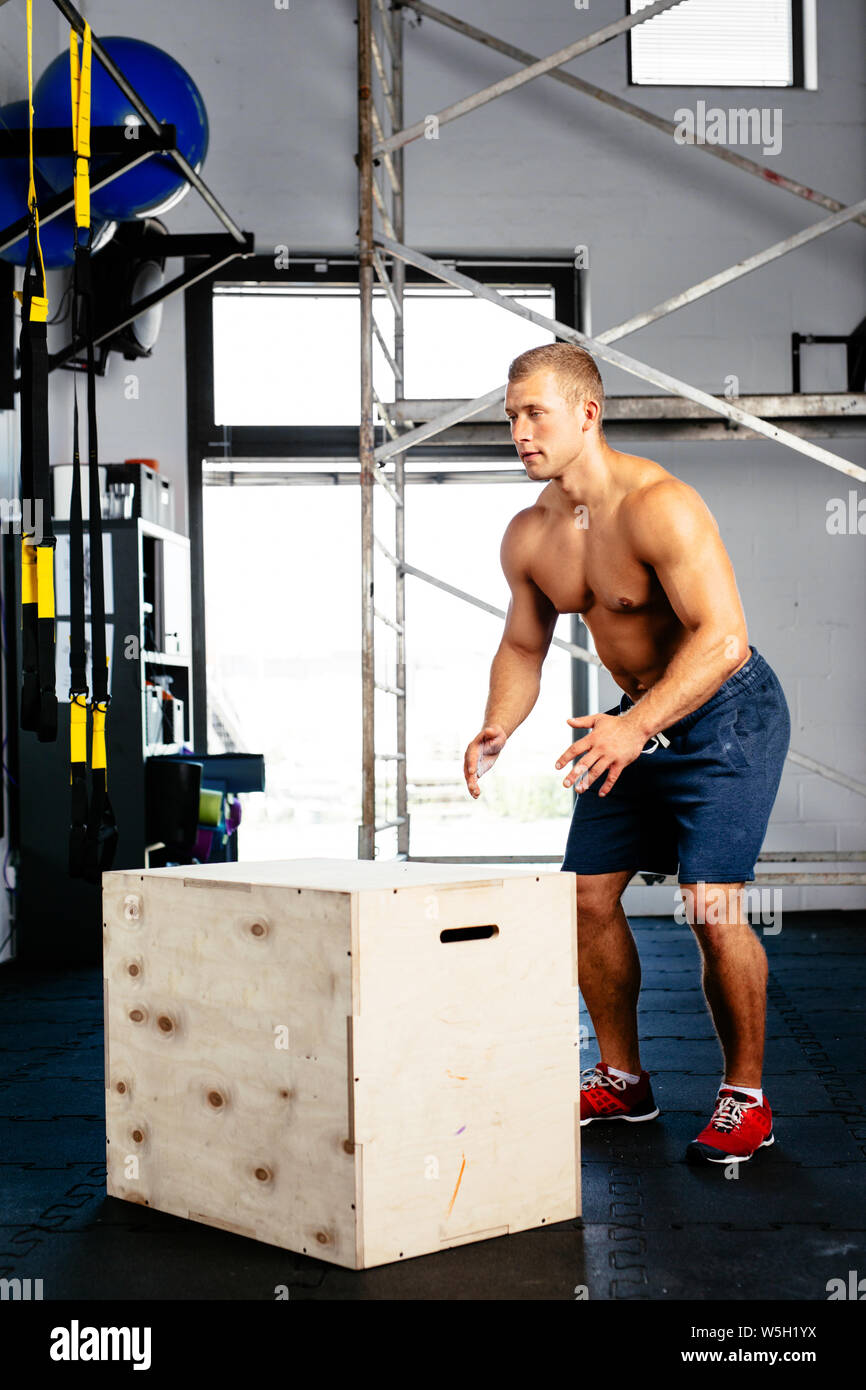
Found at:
[409, 938]
[231, 1009]
[404, 1052]
[467, 1063]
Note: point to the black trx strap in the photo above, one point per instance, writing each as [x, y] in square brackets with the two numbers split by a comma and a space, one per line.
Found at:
[77, 667]
[38, 693]
[93, 830]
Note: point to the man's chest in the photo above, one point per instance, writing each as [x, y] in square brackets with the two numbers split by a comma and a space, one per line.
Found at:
[586, 571]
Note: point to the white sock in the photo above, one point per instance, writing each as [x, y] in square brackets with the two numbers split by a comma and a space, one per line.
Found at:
[755, 1092]
[614, 1071]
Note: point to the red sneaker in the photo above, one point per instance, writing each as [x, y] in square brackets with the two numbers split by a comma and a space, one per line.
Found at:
[606, 1097]
[739, 1127]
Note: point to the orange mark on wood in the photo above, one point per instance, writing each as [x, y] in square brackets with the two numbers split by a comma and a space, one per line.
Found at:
[455, 1076]
[457, 1188]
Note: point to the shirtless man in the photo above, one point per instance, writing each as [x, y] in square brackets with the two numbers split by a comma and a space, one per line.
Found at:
[682, 774]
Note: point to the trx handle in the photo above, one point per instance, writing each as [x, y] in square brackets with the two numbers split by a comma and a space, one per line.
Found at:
[101, 842]
[78, 782]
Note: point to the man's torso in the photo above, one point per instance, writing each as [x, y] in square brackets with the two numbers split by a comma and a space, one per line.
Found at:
[585, 564]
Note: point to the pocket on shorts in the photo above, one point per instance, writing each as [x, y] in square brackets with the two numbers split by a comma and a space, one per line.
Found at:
[738, 746]
[752, 730]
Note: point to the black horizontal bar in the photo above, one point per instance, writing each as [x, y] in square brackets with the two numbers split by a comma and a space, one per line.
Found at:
[823, 337]
[104, 139]
[181, 282]
[185, 244]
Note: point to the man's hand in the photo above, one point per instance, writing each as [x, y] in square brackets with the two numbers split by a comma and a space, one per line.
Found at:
[611, 745]
[482, 754]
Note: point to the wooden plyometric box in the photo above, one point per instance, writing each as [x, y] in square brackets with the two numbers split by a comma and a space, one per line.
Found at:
[362, 1061]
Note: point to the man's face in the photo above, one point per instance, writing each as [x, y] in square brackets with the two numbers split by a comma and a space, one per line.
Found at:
[548, 433]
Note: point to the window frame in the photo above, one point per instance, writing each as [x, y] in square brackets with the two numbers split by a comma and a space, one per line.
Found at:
[317, 441]
[798, 66]
[310, 441]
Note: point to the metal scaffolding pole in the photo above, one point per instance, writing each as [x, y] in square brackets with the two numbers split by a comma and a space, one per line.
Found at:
[620, 359]
[769, 176]
[467, 409]
[366, 847]
[375, 145]
[579, 653]
[733, 272]
[386, 56]
[527, 74]
[591, 659]
[687, 296]
[399, 218]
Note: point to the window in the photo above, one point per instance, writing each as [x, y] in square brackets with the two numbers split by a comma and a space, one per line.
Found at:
[284, 396]
[290, 355]
[284, 674]
[279, 352]
[723, 43]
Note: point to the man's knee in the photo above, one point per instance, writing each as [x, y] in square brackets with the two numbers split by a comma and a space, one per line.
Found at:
[598, 895]
[713, 904]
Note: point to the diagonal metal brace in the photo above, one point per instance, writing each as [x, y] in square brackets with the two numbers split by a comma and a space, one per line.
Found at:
[519, 79]
[632, 365]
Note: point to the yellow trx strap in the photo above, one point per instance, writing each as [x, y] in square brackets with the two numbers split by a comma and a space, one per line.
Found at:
[93, 826]
[38, 303]
[80, 79]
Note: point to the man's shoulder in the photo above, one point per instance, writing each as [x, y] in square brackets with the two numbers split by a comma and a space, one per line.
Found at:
[663, 511]
[656, 492]
[519, 536]
[523, 522]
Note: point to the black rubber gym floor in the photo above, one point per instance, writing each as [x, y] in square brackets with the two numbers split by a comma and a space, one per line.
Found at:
[653, 1227]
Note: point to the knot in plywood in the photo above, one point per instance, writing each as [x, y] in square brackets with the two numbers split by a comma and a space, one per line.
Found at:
[132, 906]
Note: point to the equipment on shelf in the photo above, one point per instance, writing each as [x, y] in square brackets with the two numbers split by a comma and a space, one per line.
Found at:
[214, 789]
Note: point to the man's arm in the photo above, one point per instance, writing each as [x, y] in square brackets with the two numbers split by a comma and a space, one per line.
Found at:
[672, 530]
[515, 675]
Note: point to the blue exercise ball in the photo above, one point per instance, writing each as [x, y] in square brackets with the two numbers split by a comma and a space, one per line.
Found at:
[165, 88]
[56, 236]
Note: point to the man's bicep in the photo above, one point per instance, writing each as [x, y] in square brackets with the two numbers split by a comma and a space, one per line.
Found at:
[531, 617]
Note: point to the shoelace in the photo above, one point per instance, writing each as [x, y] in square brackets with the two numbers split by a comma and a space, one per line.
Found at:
[729, 1112]
[594, 1077]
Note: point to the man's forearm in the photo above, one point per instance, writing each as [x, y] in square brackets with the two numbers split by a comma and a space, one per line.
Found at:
[701, 665]
[515, 680]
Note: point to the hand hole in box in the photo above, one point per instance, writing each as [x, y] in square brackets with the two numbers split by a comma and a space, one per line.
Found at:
[468, 933]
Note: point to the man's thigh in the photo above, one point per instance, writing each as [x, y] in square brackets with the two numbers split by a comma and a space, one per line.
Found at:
[720, 779]
[627, 830]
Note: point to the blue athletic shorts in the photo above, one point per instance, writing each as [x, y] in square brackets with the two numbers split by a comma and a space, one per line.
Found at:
[699, 806]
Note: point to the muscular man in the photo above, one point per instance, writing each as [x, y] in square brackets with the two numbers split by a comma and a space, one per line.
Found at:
[682, 774]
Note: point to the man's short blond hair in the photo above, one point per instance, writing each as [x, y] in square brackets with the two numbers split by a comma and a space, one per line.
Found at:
[577, 375]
